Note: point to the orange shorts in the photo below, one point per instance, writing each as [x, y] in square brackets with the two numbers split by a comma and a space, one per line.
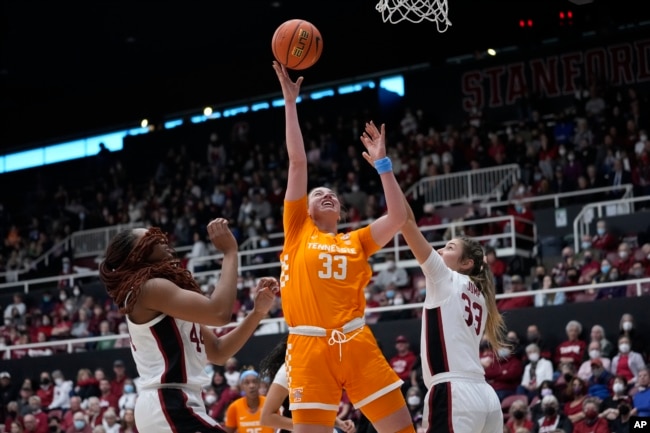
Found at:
[318, 371]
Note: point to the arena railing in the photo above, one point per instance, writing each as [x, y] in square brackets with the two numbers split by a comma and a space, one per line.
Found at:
[507, 244]
[594, 211]
[466, 186]
[556, 199]
[71, 345]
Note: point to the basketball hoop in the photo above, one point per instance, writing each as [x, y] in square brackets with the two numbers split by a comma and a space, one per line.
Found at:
[415, 11]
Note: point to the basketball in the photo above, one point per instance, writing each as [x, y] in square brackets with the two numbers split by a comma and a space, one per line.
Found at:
[297, 44]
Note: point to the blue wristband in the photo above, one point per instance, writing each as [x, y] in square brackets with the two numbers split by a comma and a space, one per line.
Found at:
[383, 165]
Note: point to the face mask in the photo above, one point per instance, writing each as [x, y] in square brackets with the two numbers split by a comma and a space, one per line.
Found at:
[568, 377]
[624, 409]
[413, 400]
[519, 414]
[604, 269]
[594, 354]
[240, 285]
[519, 209]
[129, 388]
[627, 326]
[423, 292]
[63, 297]
[503, 353]
[550, 411]
[45, 381]
[618, 387]
[58, 381]
[546, 391]
[577, 389]
[264, 243]
[637, 273]
[585, 246]
[591, 414]
[533, 357]
[210, 399]
[46, 298]
[623, 255]
[562, 151]
[79, 425]
[613, 276]
[537, 177]
[600, 231]
[398, 301]
[367, 296]
[390, 294]
[532, 337]
[624, 348]
[54, 428]
[76, 292]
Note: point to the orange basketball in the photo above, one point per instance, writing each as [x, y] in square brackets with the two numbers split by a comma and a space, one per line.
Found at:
[297, 44]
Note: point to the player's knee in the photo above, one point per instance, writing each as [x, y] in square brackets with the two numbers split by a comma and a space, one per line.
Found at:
[386, 404]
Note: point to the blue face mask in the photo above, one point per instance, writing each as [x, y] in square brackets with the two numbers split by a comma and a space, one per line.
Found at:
[519, 209]
[129, 389]
[423, 292]
[605, 268]
[600, 231]
[390, 294]
[79, 425]
[586, 245]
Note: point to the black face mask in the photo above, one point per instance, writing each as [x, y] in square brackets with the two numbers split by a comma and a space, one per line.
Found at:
[54, 428]
[45, 381]
[550, 411]
[519, 414]
[624, 409]
[568, 377]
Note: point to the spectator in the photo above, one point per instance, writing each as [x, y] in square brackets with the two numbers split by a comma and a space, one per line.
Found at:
[591, 423]
[598, 384]
[604, 241]
[391, 277]
[516, 286]
[497, 266]
[106, 398]
[128, 396]
[79, 424]
[628, 329]
[94, 411]
[611, 292]
[8, 392]
[504, 372]
[16, 308]
[537, 371]
[605, 346]
[62, 390]
[533, 335]
[627, 363]
[105, 331]
[571, 350]
[86, 386]
[54, 424]
[552, 418]
[232, 372]
[120, 377]
[31, 424]
[518, 418]
[642, 397]
[552, 298]
[75, 406]
[128, 422]
[584, 372]
[46, 389]
[109, 421]
[610, 405]
[576, 393]
[403, 361]
[414, 403]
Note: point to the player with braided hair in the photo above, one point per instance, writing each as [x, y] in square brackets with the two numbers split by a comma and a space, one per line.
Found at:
[167, 317]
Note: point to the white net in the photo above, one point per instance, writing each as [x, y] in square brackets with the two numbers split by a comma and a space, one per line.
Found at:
[415, 11]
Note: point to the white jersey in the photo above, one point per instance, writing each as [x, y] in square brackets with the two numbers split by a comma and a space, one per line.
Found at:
[281, 377]
[453, 322]
[168, 352]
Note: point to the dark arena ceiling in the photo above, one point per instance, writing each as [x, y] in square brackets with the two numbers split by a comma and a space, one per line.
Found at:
[68, 68]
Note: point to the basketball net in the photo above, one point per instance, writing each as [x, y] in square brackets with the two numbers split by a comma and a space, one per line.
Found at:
[415, 11]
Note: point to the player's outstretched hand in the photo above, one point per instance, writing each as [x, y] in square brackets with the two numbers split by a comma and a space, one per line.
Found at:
[290, 89]
[267, 287]
[221, 236]
[374, 140]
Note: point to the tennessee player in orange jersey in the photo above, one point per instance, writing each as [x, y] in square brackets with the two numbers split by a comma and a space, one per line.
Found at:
[324, 275]
[244, 414]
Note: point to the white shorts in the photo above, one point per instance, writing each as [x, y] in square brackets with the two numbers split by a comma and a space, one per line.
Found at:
[173, 410]
[462, 407]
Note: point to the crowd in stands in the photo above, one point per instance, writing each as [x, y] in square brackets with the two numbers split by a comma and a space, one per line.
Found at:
[595, 142]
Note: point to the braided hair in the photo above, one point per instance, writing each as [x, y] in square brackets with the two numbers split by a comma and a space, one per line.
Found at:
[482, 277]
[272, 362]
[125, 269]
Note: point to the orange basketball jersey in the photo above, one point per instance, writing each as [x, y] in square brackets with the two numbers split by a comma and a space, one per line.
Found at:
[323, 275]
[239, 416]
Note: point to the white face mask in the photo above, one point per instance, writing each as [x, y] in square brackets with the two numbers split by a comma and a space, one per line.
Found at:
[58, 381]
[624, 348]
[627, 326]
[594, 354]
[618, 387]
[398, 301]
[533, 357]
[503, 353]
[413, 400]
[210, 398]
